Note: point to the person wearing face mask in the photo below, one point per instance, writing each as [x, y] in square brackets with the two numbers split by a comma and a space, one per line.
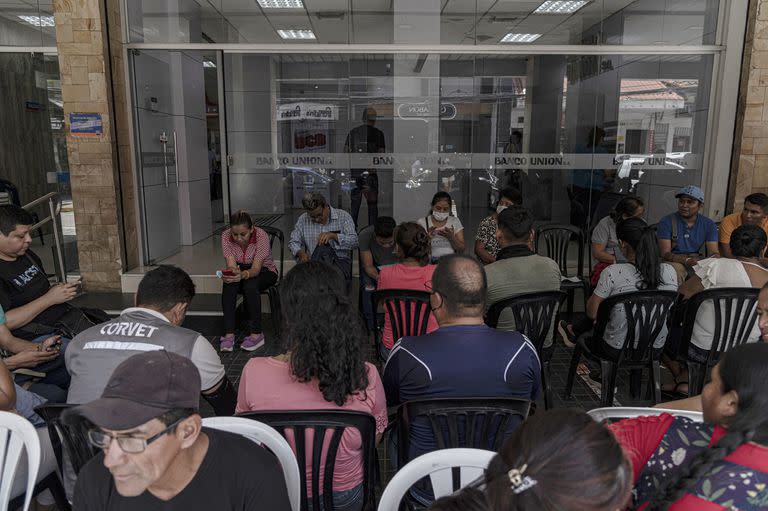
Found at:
[486, 244]
[445, 230]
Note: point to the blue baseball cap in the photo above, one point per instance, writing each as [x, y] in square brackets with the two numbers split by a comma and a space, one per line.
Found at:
[691, 191]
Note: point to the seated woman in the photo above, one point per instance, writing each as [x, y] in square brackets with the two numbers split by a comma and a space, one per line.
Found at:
[486, 244]
[248, 254]
[445, 230]
[721, 463]
[323, 368]
[556, 460]
[412, 272]
[642, 271]
[605, 245]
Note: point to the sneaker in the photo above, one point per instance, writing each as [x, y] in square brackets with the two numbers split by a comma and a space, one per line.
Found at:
[565, 335]
[252, 342]
[227, 343]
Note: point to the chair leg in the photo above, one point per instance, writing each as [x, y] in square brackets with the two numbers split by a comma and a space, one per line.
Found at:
[635, 382]
[655, 381]
[545, 382]
[575, 358]
[569, 304]
[607, 382]
[696, 375]
[274, 309]
[59, 496]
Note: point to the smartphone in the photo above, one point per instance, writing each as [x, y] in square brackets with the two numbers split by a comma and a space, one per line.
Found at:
[227, 272]
[55, 347]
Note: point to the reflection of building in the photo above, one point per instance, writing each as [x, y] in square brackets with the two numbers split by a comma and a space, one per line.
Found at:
[179, 100]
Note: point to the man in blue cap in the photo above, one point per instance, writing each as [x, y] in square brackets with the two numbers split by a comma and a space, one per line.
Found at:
[686, 235]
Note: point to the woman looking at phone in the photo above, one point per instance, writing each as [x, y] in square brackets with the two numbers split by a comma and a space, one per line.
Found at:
[445, 230]
[250, 270]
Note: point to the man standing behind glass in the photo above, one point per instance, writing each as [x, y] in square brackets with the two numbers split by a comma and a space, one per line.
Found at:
[365, 139]
[324, 233]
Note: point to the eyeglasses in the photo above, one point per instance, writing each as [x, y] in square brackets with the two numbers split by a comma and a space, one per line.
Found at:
[129, 444]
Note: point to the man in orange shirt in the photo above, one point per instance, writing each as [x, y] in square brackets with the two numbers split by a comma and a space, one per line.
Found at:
[755, 213]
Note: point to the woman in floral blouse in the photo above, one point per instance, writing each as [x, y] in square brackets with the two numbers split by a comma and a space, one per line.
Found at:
[721, 463]
[486, 244]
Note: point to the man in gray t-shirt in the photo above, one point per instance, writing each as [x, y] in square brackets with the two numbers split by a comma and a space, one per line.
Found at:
[377, 249]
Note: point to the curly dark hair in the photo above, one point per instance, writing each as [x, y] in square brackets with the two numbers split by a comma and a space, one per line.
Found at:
[324, 332]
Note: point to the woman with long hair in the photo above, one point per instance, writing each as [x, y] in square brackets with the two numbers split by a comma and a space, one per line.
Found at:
[250, 270]
[445, 230]
[486, 244]
[642, 271]
[722, 463]
[558, 460]
[414, 271]
[323, 367]
[605, 244]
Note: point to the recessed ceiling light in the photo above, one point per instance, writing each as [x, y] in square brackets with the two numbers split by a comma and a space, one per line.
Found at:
[296, 34]
[281, 4]
[560, 6]
[208, 63]
[39, 21]
[519, 38]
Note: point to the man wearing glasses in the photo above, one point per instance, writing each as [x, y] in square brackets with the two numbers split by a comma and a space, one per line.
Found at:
[156, 453]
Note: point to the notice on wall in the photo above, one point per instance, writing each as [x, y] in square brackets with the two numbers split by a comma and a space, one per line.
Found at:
[85, 125]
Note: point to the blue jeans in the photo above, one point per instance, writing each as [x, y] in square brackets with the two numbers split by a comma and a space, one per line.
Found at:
[26, 402]
[55, 385]
[345, 500]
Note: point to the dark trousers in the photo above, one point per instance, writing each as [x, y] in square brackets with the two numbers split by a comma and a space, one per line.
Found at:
[251, 290]
[56, 382]
[366, 183]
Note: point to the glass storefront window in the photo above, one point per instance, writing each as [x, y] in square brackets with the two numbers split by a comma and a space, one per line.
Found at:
[28, 23]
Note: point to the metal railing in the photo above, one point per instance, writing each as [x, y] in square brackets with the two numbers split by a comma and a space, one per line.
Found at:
[54, 209]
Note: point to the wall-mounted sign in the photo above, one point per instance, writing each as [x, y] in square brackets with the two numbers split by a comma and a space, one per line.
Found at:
[85, 125]
[424, 111]
[307, 111]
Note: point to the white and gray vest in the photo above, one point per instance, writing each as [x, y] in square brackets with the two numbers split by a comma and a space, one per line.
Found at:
[93, 354]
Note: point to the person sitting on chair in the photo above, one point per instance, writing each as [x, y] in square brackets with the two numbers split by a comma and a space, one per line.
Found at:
[755, 212]
[444, 229]
[248, 255]
[486, 244]
[376, 245]
[605, 245]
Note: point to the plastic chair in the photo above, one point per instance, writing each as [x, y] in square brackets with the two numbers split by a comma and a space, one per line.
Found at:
[556, 240]
[439, 467]
[535, 315]
[274, 298]
[475, 422]
[71, 436]
[735, 316]
[629, 412]
[646, 313]
[408, 312]
[17, 436]
[272, 440]
[305, 425]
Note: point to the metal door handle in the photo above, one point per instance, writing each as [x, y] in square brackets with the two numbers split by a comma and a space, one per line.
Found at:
[176, 157]
[164, 143]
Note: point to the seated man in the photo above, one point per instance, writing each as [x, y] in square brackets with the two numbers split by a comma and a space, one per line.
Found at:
[755, 212]
[324, 233]
[462, 358]
[518, 269]
[376, 244]
[684, 235]
[157, 455]
[154, 324]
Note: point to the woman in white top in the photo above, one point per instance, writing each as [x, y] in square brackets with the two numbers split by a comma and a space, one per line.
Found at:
[445, 230]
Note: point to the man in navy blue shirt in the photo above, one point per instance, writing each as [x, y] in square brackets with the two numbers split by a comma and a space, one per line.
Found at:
[464, 357]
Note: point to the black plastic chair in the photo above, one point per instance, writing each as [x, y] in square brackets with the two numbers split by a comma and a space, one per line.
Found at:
[473, 422]
[70, 436]
[735, 316]
[318, 423]
[536, 315]
[274, 298]
[645, 314]
[556, 240]
[408, 312]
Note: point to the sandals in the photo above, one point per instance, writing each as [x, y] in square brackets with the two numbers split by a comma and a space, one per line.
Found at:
[676, 388]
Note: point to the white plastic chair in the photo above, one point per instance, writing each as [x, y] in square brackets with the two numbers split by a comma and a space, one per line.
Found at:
[629, 412]
[437, 465]
[17, 435]
[272, 440]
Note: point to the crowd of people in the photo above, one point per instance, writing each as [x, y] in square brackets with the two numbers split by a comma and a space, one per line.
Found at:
[138, 378]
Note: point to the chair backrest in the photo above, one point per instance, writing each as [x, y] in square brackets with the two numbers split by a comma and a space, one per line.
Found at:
[268, 437]
[17, 436]
[439, 467]
[645, 314]
[275, 233]
[556, 240]
[408, 311]
[534, 313]
[71, 438]
[473, 422]
[614, 413]
[735, 315]
[307, 425]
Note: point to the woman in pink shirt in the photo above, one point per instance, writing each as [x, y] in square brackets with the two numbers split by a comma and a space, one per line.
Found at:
[412, 246]
[323, 368]
[250, 269]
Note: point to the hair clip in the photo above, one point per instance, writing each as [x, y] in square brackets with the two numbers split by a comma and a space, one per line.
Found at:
[520, 483]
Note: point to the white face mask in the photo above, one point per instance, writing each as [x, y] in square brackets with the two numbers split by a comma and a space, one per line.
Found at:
[501, 208]
[440, 215]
